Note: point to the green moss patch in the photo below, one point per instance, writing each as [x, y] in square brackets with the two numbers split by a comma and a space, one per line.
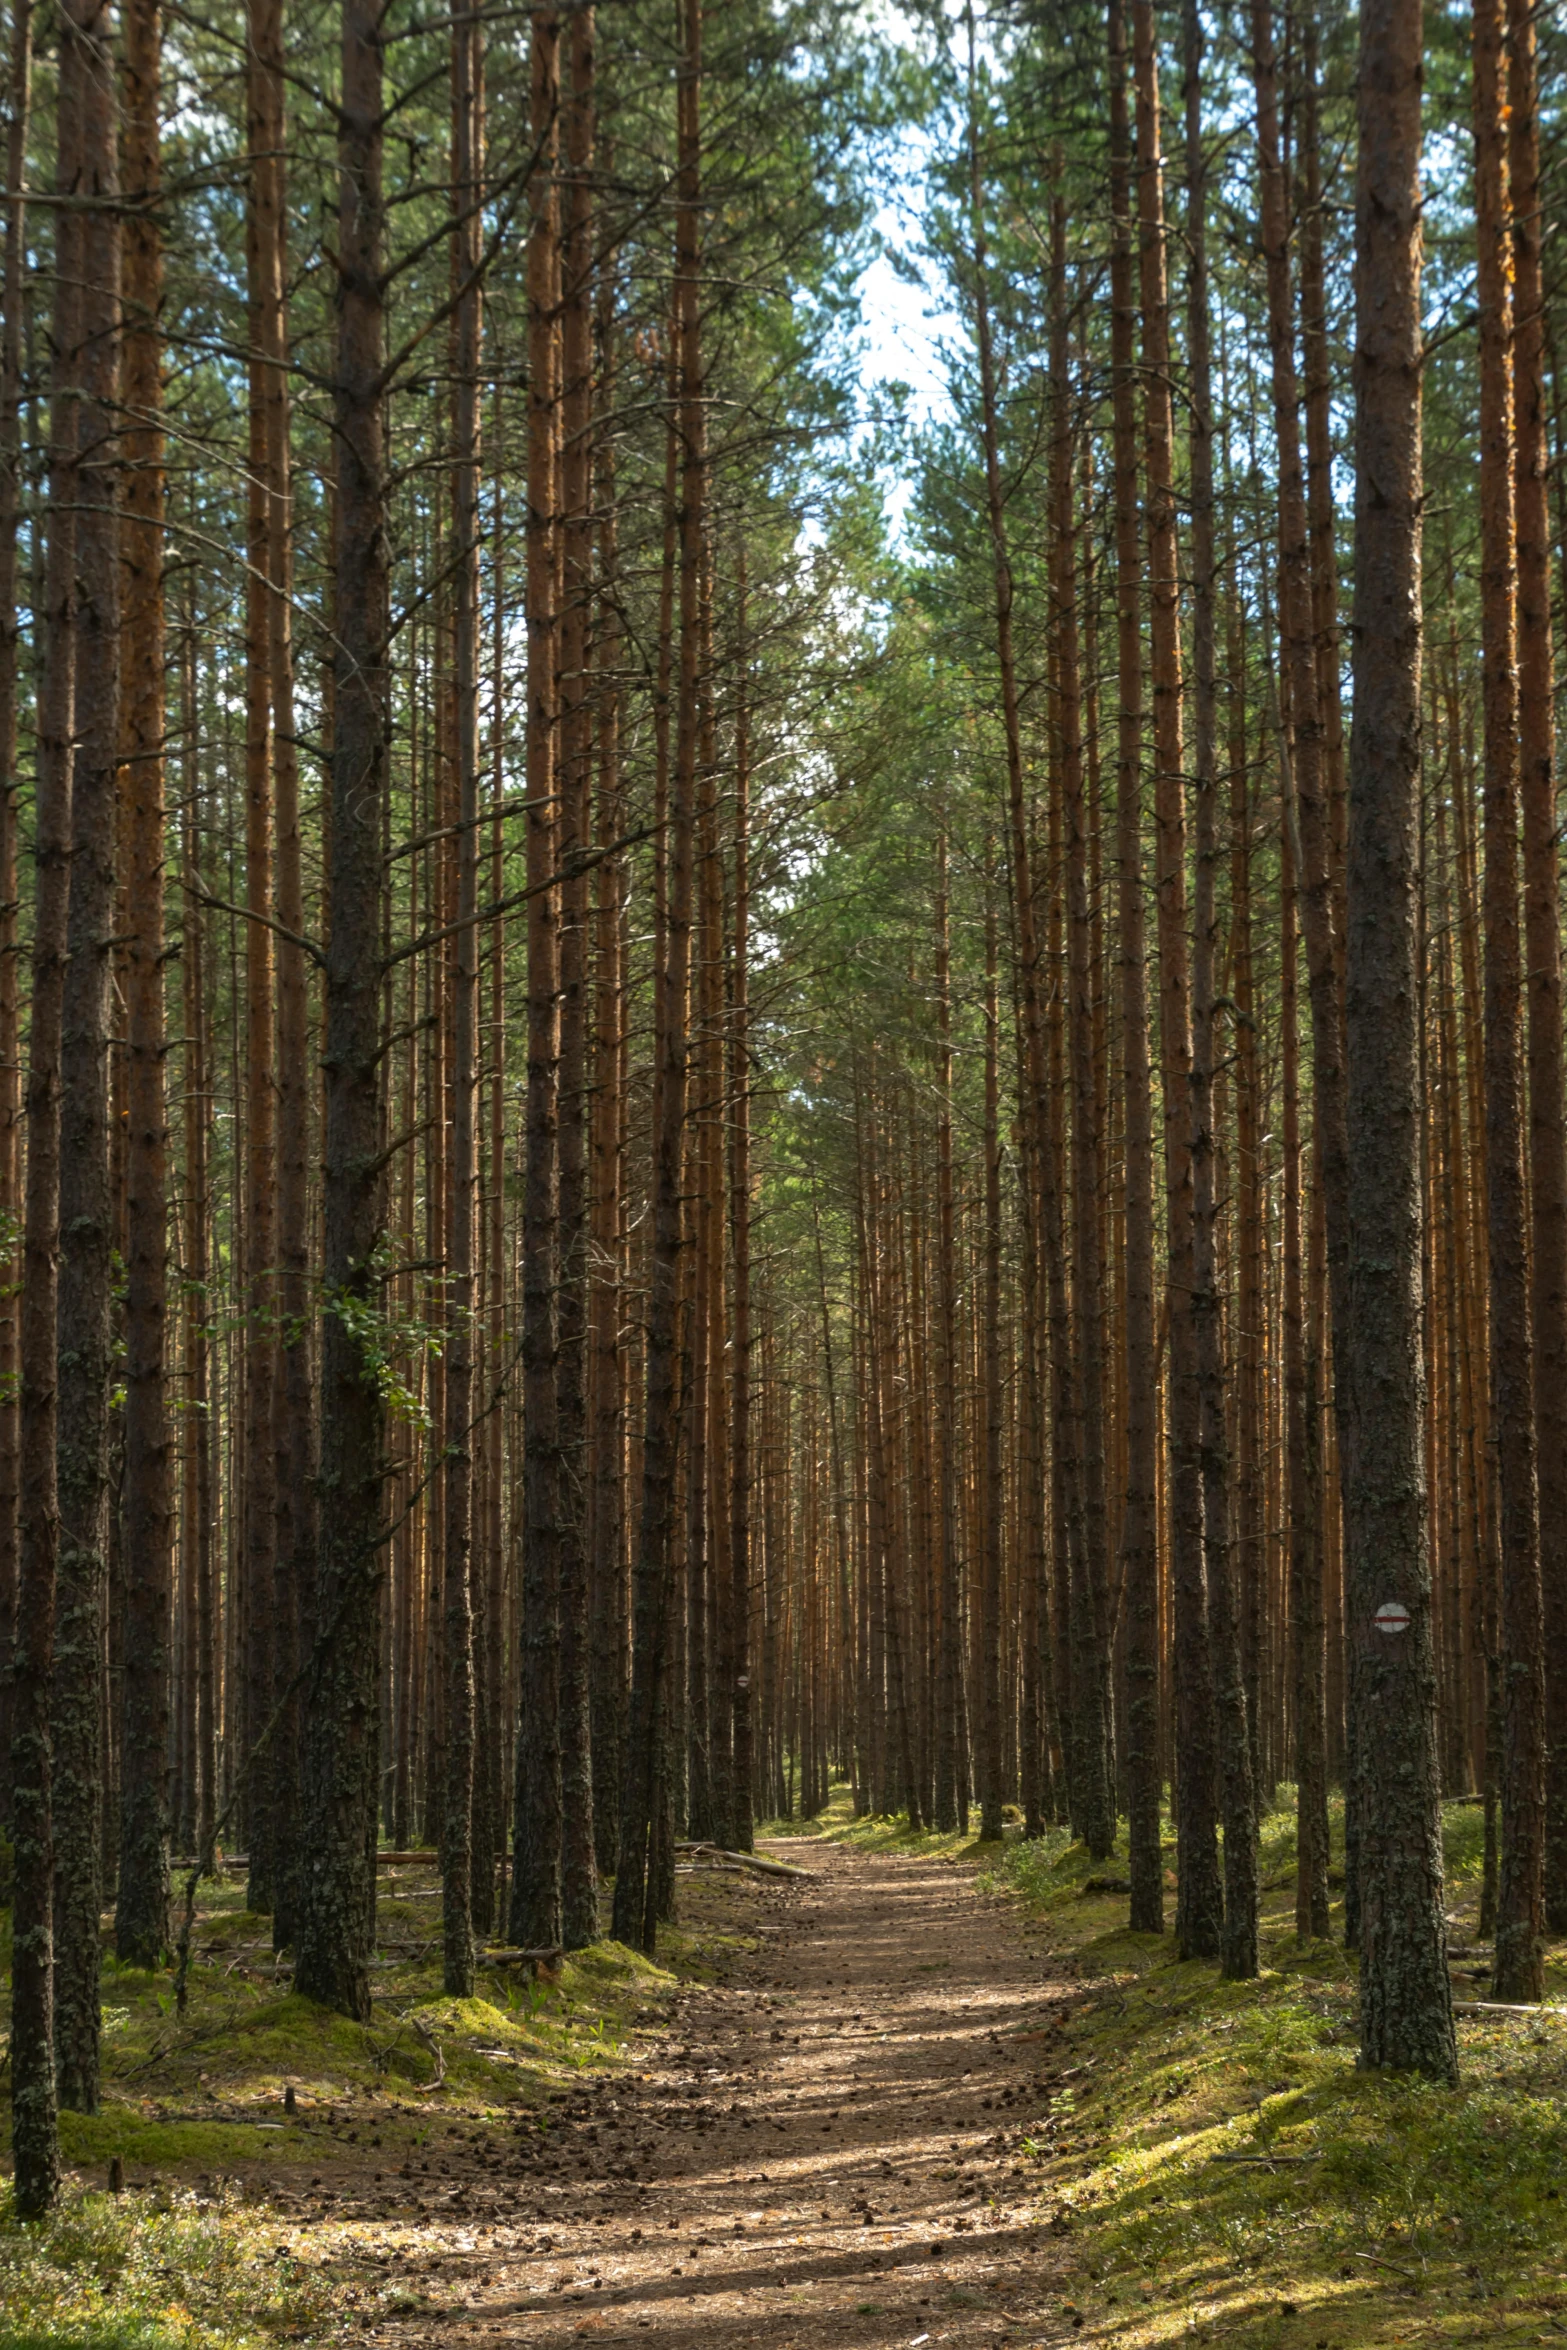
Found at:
[1224, 2173]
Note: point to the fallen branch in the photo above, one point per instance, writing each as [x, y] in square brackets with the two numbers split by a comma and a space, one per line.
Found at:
[423, 2032]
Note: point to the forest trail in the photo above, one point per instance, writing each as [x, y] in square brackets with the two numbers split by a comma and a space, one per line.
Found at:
[823, 2146]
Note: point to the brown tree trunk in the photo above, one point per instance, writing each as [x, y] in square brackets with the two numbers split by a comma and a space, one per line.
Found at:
[1139, 1545]
[258, 1271]
[644, 1788]
[740, 1546]
[12, 320]
[141, 1919]
[579, 1869]
[1314, 818]
[1199, 1909]
[1238, 1800]
[342, 1710]
[1406, 2017]
[536, 1878]
[950, 1794]
[457, 1795]
[1093, 1792]
[196, 1527]
[84, 1335]
[294, 1434]
[991, 1774]
[1519, 1955]
[35, 2141]
[1542, 936]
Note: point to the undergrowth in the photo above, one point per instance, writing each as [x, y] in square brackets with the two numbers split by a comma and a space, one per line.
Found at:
[108, 2272]
[1224, 2172]
[260, 2137]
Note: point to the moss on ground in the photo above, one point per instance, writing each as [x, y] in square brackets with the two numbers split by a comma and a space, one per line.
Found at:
[244, 2221]
[1225, 2174]
[837, 1823]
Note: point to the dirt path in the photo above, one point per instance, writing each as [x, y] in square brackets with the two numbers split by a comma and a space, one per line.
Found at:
[824, 2152]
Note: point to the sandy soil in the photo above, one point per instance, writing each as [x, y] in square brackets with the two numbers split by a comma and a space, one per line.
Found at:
[823, 2150]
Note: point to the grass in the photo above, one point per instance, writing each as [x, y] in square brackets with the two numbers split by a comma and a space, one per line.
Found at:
[133, 2273]
[885, 1831]
[1225, 2174]
[244, 2223]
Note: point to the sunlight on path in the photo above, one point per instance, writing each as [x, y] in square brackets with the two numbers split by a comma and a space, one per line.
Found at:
[824, 2155]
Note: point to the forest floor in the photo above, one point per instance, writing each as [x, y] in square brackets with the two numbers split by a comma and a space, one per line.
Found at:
[929, 2093]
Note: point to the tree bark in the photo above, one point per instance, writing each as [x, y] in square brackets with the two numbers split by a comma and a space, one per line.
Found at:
[84, 1337]
[1238, 1797]
[141, 1921]
[643, 1790]
[1093, 1790]
[457, 1806]
[342, 1748]
[1542, 936]
[1406, 2017]
[536, 1877]
[13, 303]
[35, 2141]
[262, 1818]
[1519, 1950]
[579, 1868]
[1139, 1548]
[1199, 1906]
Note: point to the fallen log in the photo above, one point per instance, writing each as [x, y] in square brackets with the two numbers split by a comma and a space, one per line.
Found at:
[748, 1860]
[1501, 2007]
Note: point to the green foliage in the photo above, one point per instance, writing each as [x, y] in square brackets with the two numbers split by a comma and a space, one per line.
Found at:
[132, 2272]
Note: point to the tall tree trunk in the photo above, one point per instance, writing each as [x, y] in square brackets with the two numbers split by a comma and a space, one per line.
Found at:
[740, 1829]
[196, 1527]
[259, 1227]
[1238, 1801]
[1093, 1789]
[642, 1793]
[141, 1921]
[457, 1806]
[607, 1566]
[1406, 2015]
[536, 1876]
[294, 1433]
[35, 2141]
[1542, 935]
[1199, 1907]
[342, 1746]
[13, 303]
[1139, 1549]
[1519, 1951]
[950, 1795]
[84, 1336]
[992, 1777]
[579, 1868]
